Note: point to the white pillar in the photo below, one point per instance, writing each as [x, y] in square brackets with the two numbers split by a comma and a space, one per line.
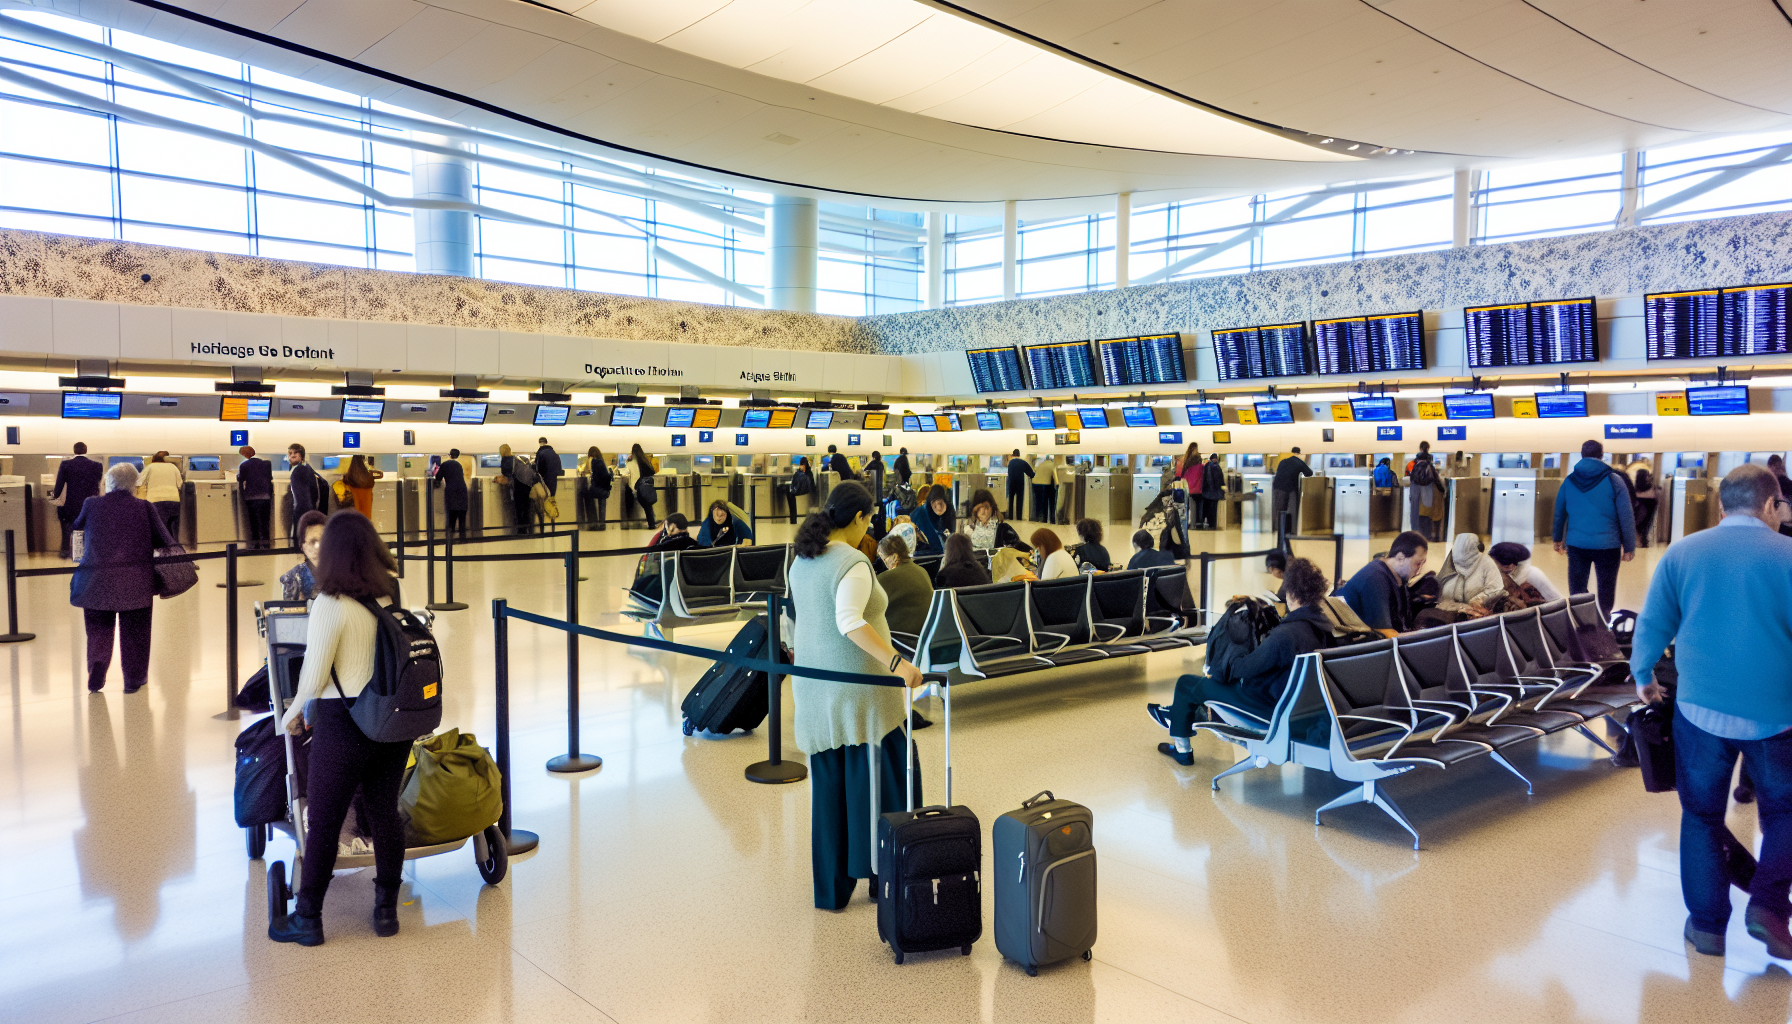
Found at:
[443, 239]
[1010, 249]
[792, 245]
[1123, 240]
[1627, 207]
[936, 259]
[1462, 208]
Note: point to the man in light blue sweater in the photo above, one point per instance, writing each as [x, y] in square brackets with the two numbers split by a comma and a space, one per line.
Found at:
[1595, 525]
[1725, 596]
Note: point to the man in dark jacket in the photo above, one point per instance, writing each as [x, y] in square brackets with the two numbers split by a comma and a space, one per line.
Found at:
[1213, 488]
[451, 477]
[547, 463]
[1285, 490]
[255, 485]
[1019, 472]
[1255, 680]
[1595, 524]
[115, 585]
[77, 479]
[1378, 594]
[837, 462]
[304, 487]
[900, 466]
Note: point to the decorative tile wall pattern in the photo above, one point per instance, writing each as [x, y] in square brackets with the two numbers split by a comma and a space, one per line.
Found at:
[1754, 249]
[67, 267]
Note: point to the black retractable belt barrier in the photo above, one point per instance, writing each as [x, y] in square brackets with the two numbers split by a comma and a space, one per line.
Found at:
[573, 760]
[230, 643]
[775, 770]
[517, 840]
[13, 635]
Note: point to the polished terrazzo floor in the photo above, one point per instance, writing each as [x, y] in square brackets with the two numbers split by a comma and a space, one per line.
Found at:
[667, 888]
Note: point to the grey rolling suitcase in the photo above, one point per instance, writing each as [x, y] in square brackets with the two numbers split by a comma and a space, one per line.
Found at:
[1045, 882]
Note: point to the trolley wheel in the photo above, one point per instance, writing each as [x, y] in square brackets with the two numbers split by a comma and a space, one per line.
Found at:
[688, 727]
[964, 950]
[1088, 955]
[255, 839]
[1032, 972]
[277, 891]
[492, 854]
[899, 958]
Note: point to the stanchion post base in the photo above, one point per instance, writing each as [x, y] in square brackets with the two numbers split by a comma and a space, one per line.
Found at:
[16, 638]
[447, 606]
[571, 764]
[775, 774]
[521, 840]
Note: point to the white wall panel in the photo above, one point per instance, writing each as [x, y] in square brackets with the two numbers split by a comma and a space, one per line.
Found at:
[85, 328]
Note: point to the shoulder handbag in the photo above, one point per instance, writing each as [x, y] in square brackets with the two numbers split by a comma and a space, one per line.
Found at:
[172, 578]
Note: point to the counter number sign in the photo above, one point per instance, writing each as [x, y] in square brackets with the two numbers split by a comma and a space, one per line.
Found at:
[351, 439]
[239, 438]
[705, 436]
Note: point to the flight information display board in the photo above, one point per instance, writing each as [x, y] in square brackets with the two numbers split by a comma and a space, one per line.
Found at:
[551, 415]
[989, 421]
[754, 418]
[1041, 419]
[876, 420]
[996, 369]
[1205, 414]
[819, 419]
[1373, 410]
[1369, 344]
[680, 418]
[1093, 419]
[1250, 353]
[1532, 333]
[362, 410]
[1724, 400]
[911, 423]
[1152, 359]
[1139, 416]
[467, 414]
[1556, 405]
[1476, 406]
[782, 419]
[235, 409]
[627, 415]
[1274, 412]
[1683, 325]
[1754, 319]
[1341, 345]
[99, 405]
[1060, 365]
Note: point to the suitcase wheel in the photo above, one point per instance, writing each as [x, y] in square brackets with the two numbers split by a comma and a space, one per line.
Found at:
[688, 727]
[1032, 972]
[255, 838]
[1088, 955]
[964, 950]
[899, 958]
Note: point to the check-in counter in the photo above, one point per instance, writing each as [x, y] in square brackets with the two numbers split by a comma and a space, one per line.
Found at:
[1385, 505]
[1514, 517]
[1098, 490]
[214, 511]
[1352, 506]
[762, 497]
[385, 505]
[1471, 500]
[1548, 485]
[15, 511]
[488, 507]
[1257, 512]
[715, 486]
[1317, 502]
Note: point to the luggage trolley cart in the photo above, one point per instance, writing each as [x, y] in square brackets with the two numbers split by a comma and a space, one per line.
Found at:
[283, 624]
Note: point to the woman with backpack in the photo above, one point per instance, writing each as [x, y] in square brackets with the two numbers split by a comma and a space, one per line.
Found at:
[1425, 492]
[1253, 679]
[802, 484]
[516, 471]
[353, 566]
[639, 476]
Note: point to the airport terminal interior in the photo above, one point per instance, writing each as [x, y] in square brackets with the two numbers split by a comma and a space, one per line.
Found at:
[1247, 282]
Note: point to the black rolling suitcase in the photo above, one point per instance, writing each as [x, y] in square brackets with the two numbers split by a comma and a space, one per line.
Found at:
[929, 868]
[729, 697]
[1045, 882]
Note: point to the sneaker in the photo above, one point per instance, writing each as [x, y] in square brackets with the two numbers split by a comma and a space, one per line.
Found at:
[1184, 758]
[1159, 714]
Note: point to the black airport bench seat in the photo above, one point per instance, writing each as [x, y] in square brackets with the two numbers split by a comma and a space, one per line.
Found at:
[699, 586]
[1004, 629]
[1432, 699]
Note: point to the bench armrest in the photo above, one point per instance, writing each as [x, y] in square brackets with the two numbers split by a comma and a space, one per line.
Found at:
[1238, 717]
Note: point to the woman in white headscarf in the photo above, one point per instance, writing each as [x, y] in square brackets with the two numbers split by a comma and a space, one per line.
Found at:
[1514, 561]
[1469, 579]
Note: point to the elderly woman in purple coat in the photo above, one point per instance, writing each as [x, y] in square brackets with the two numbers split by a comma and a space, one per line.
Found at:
[115, 580]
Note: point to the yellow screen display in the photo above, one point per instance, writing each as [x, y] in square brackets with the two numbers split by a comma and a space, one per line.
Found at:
[876, 420]
[782, 419]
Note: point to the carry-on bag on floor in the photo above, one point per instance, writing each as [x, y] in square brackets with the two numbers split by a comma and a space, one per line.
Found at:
[1045, 882]
[929, 865]
[729, 697]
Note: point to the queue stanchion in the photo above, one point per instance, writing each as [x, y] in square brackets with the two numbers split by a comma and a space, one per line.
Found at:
[775, 770]
[230, 644]
[398, 508]
[753, 507]
[1206, 563]
[13, 636]
[573, 761]
[450, 604]
[429, 542]
[515, 839]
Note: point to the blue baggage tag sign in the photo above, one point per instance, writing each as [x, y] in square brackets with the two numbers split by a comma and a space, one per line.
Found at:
[1387, 433]
[1452, 433]
[1629, 430]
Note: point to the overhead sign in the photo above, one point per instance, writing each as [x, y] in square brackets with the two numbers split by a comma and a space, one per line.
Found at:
[1524, 408]
[351, 439]
[239, 438]
[1670, 403]
[1247, 415]
[1341, 413]
[1431, 411]
[1387, 433]
[1452, 433]
[1630, 430]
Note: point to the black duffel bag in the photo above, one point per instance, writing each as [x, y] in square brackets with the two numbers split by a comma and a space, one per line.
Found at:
[261, 772]
[1651, 730]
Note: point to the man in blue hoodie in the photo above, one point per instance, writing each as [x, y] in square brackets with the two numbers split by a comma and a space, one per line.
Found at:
[1594, 524]
[1720, 597]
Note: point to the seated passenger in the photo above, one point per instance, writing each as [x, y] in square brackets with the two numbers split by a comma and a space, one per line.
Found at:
[1090, 552]
[1255, 680]
[1055, 563]
[1144, 553]
[959, 568]
[1470, 581]
[1377, 593]
[984, 519]
[722, 527]
[674, 534]
[934, 518]
[906, 585]
[299, 583]
[1515, 565]
[1276, 565]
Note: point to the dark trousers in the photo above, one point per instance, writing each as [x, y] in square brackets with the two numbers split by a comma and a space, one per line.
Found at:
[169, 511]
[342, 760]
[457, 521]
[1645, 519]
[842, 820]
[260, 514]
[1042, 503]
[552, 483]
[790, 499]
[1202, 511]
[67, 521]
[524, 508]
[133, 645]
[1702, 765]
[1194, 691]
[1606, 560]
[1015, 501]
[601, 513]
[1285, 502]
[647, 510]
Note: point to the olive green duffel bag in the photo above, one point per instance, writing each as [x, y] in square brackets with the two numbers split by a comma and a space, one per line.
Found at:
[451, 790]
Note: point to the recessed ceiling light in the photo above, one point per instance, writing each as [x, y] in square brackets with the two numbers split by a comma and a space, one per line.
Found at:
[1354, 145]
[1323, 142]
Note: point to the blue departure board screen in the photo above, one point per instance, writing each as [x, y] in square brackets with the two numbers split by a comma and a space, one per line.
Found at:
[819, 419]
[1396, 341]
[1754, 319]
[551, 415]
[989, 421]
[1683, 325]
[680, 417]
[630, 415]
[1475, 406]
[1204, 414]
[928, 424]
[1342, 345]
[1372, 410]
[1559, 405]
[1139, 416]
[467, 413]
[1153, 359]
[1041, 419]
[1724, 400]
[1060, 365]
[1093, 419]
[1251, 353]
[362, 410]
[1270, 413]
[755, 418]
[1532, 333]
[996, 369]
[93, 405]
[911, 423]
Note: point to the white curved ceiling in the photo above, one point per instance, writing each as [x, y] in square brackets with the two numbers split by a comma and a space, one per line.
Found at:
[928, 102]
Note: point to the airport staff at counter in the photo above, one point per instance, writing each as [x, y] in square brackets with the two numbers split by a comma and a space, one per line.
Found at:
[1019, 472]
[162, 482]
[255, 485]
[840, 625]
[451, 477]
[1285, 489]
[77, 479]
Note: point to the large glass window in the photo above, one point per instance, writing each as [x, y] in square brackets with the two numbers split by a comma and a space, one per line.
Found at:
[1542, 200]
[1717, 178]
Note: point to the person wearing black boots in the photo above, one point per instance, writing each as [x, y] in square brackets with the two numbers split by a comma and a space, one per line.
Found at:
[352, 564]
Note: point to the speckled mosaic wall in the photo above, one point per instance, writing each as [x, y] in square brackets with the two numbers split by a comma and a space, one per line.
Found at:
[1730, 251]
[65, 267]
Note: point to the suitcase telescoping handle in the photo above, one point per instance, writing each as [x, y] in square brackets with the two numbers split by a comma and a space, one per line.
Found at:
[908, 744]
[1044, 794]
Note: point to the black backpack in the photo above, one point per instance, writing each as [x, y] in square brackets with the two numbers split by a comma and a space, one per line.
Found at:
[1241, 627]
[403, 700]
[645, 492]
[523, 474]
[1424, 474]
[801, 484]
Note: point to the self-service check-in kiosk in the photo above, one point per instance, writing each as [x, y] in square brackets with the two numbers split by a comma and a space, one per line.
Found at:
[1514, 515]
[1352, 499]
